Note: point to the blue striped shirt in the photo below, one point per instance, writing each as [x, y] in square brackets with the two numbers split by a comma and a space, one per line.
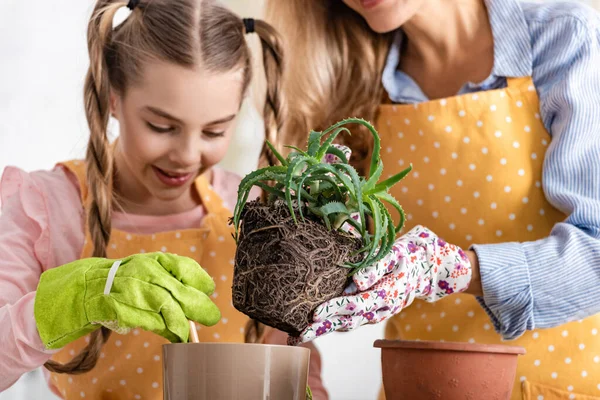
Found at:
[554, 280]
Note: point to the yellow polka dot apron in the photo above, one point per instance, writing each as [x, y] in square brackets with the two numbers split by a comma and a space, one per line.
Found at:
[477, 179]
[130, 366]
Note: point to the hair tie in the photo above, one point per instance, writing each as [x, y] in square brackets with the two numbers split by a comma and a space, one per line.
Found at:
[249, 24]
[133, 4]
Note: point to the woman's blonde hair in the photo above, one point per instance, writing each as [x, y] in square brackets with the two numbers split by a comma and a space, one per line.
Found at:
[334, 64]
[184, 32]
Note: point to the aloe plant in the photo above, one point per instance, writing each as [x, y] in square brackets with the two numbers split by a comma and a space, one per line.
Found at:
[332, 192]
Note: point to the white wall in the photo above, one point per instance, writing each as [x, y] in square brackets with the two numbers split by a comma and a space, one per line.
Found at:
[42, 65]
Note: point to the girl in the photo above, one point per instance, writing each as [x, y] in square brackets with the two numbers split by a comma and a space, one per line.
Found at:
[173, 74]
[495, 103]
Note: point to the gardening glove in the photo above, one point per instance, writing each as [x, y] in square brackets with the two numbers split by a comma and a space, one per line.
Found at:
[157, 292]
[420, 265]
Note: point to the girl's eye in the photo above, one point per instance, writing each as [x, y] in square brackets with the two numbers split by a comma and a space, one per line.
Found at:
[160, 129]
[213, 135]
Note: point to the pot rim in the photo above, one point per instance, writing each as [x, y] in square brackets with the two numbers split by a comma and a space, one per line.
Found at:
[255, 345]
[449, 346]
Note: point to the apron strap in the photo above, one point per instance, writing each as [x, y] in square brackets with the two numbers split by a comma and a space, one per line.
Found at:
[212, 202]
[77, 168]
[522, 84]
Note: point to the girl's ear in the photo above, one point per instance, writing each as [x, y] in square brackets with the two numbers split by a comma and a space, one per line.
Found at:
[114, 103]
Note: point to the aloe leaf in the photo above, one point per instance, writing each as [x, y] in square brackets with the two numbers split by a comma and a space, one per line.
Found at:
[374, 177]
[271, 190]
[281, 159]
[326, 183]
[375, 154]
[377, 231]
[305, 176]
[314, 141]
[388, 234]
[358, 188]
[328, 143]
[390, 199]
[388, 183]
[247, 183]
[349, 220]
[344, 180]
[338, 153]
[300, 152]
[296, 164]
[335, 208]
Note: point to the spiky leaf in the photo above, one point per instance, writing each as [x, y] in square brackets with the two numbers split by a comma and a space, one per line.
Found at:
[390, 199]
[281, 159]
[328, 142]
[388, 183]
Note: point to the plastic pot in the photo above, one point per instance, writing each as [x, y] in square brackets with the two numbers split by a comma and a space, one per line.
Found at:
[449, 371]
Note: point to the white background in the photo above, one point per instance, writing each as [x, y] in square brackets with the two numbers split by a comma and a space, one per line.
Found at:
[43, 59]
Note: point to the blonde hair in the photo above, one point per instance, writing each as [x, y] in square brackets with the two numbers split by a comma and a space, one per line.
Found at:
[334, 64]
[184, 32]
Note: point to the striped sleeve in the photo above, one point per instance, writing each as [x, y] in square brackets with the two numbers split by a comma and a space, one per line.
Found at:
[556, 280]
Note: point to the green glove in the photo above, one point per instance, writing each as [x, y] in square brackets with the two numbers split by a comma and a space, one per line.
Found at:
[157, 292]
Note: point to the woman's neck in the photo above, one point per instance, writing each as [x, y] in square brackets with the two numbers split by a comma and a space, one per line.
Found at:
[448, 43]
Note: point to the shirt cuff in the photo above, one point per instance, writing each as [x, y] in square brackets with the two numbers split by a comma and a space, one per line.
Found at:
[506, 282]
[25, 328]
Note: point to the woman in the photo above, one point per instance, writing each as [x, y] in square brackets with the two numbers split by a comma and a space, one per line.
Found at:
[496, 105]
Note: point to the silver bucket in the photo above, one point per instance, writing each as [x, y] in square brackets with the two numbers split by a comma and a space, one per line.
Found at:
[234, 371]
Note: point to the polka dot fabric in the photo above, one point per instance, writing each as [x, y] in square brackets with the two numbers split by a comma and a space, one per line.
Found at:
[477, 175]
[130, 366]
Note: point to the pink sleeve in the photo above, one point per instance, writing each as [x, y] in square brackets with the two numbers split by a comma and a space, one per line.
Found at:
[27, 248]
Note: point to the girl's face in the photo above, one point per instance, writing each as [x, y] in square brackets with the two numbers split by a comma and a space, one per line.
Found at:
[174, 124]
[385, 15]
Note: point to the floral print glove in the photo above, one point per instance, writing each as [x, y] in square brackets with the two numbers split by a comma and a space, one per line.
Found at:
[420, 265]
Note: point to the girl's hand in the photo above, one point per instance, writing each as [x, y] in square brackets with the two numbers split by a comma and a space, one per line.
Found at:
[420, 265]
[157, 292]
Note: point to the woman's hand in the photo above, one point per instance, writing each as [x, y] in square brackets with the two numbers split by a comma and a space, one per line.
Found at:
[420, 265]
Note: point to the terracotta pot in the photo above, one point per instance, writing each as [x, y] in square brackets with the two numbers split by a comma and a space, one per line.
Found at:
[234, 371]
[449, 371]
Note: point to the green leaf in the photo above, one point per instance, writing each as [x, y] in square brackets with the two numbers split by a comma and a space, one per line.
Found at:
[305, 176]
[334, 208]
[282, 160]
[314, 140]
[316, 211]
[344, 180]
[358, 188]
[377, 230]
[338, 153]
[390, 199]
[246, 185]
[388, 183]
[328, 143]
[296, 164]
[300, 152]
[374, 177]
[271, 190]
[327, 183]
[387, 239]
[348, 219]
[375, 154]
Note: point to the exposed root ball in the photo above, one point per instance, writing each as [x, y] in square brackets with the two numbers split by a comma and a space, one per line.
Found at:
[283, 271]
